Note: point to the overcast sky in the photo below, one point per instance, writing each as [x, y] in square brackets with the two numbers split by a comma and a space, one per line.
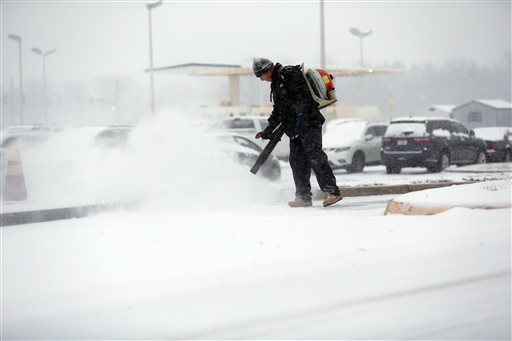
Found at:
[95, 38]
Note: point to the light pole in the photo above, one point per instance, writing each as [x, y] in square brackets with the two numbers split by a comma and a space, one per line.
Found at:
[11, 98]
[17, 39]
[322, 35]
[361, 35]
[40, 52]
[152, 84]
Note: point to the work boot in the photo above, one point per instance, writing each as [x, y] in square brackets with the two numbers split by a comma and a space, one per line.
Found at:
[332, 199]
[299, 202]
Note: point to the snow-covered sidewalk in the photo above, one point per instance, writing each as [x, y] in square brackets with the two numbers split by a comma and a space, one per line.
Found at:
[483, 195]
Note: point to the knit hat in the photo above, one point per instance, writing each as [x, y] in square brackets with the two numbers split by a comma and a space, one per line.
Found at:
[261, 65]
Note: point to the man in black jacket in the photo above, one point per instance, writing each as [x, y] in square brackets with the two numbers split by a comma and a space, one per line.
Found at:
[295, 108]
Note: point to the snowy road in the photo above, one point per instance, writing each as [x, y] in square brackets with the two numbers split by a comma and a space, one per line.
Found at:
[260, 272]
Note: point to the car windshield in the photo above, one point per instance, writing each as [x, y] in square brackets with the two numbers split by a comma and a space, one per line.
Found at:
[246, 143]
[344, 133]
[406, 129]
[237, 144]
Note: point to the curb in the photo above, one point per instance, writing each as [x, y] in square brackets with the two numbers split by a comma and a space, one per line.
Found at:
[361, 191]
[36, 216]
[39, 216]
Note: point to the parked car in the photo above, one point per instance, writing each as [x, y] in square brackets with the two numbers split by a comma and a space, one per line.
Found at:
[353, 144]
[26, 136]
[434, 143]
[498, 142]
[113, 136]
[248, 126]
[245, 152]
[69, 145]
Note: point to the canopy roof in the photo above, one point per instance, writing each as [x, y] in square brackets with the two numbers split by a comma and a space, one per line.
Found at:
[205, 69]
[234, 71]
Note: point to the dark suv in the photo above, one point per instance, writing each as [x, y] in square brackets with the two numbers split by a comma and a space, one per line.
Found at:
[434, 143]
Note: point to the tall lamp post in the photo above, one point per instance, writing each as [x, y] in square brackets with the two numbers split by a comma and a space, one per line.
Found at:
[11, 100]
[322, 35]
[152, 84]
[17, 39]
[40, 52]
[361, 35]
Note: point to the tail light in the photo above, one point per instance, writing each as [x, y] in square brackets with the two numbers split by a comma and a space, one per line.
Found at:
[386, 140]
[423, 140]
[491, 146]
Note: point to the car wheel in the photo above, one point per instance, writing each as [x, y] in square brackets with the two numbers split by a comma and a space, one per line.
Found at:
[358, 161]
[442, 163]
[393, 169]
[508, 156]
[481, 158]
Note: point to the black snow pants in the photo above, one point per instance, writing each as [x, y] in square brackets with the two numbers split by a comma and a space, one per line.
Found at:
[305, 154]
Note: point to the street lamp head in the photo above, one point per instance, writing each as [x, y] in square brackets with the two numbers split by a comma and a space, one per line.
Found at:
[37, 51]
[154, 5]
[355, 31]
[40, 52]
[367, 33]
[14, 37]
[358, 33]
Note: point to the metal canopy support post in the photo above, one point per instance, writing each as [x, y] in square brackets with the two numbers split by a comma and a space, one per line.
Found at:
[234, 90]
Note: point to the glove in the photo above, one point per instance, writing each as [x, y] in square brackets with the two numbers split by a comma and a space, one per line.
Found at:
[263, 135]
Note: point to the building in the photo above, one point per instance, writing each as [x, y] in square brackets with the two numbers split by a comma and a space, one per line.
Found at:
[437, 111]
[484, 113]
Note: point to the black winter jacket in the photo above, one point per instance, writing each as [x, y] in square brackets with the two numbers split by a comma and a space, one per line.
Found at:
[292, 99]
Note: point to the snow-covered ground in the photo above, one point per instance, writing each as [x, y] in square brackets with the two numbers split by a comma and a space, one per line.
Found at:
[222, 257]
[485, 194]
[264, 272]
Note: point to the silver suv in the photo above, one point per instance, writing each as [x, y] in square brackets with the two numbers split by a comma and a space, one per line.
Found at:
[352, 144]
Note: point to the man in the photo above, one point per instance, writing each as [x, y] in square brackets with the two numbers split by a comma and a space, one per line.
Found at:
[295, 108]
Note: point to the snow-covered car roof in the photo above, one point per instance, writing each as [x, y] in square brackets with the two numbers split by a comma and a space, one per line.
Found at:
[221, 134]
[420, 119]
[344, 133]
[493, 133]
[246, 117]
